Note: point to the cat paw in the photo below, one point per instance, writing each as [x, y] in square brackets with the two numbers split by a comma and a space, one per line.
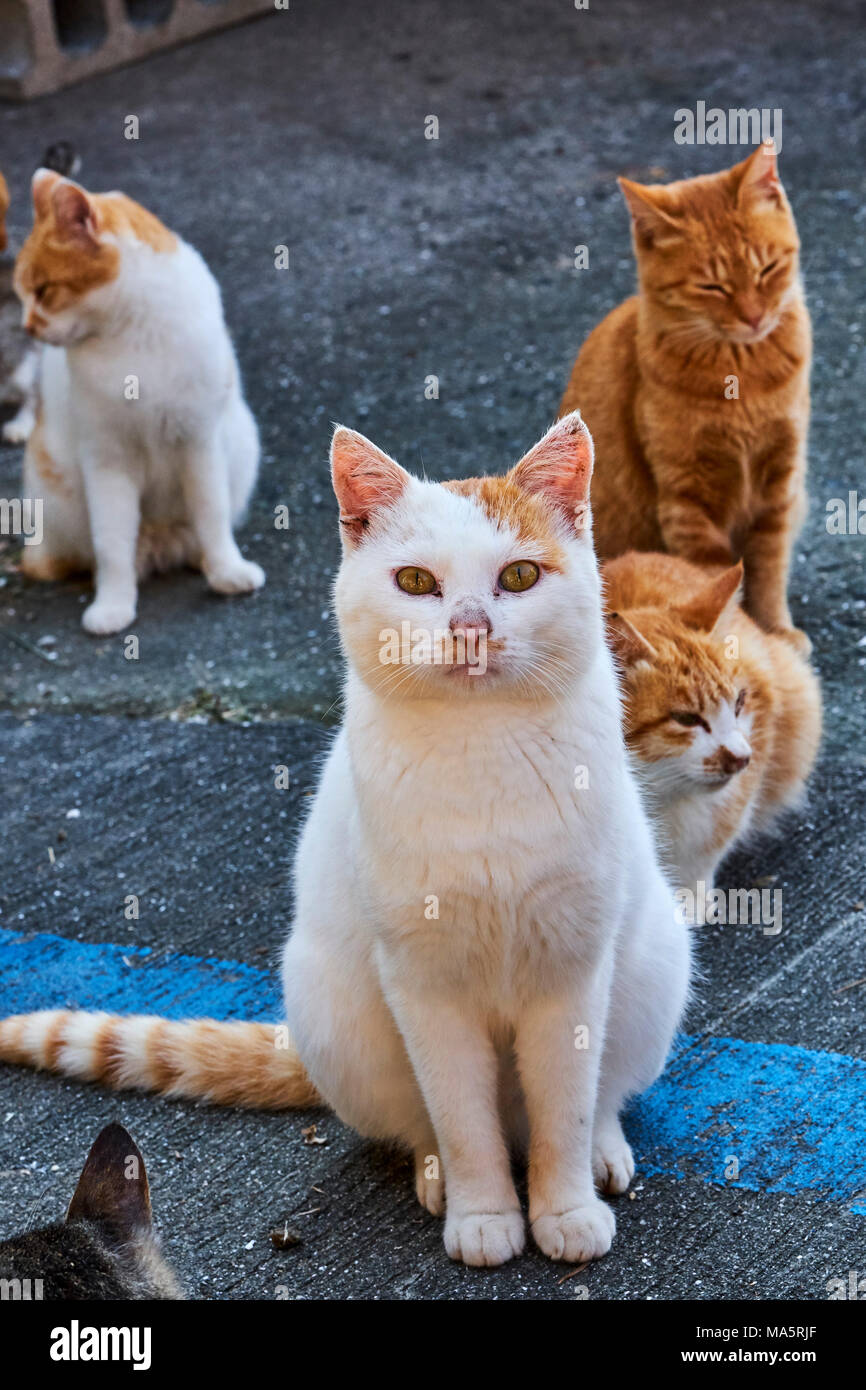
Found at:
[612, 1161]
[429, 1191]
[105, 616]
[19, 429]
[485, 1238]
[582, 1233]
[238, 576]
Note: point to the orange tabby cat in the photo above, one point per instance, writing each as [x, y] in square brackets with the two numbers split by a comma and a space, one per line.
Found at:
[696, 390]
[725, 719]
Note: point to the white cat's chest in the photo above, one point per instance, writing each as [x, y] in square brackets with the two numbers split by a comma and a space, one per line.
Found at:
[508, 841]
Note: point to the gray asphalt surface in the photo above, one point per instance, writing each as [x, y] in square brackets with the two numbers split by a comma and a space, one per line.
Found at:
[411, 257]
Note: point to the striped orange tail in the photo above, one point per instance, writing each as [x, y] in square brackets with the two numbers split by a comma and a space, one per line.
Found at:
[249, 1064]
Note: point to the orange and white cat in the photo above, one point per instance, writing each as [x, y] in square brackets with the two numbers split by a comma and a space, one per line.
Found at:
[145, 452]
[696, 390]
[725, 719]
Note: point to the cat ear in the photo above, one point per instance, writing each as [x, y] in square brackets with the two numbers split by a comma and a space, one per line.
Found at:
[560, 468]
[112, 1190]
[759, 175]
[74, 213]
[41, 187]
[653, 226]
[713, 605]
[365, 480]
[626, 643]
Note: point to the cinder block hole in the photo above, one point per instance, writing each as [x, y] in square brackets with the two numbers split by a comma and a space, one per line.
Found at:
[80, 24]
[15, 54]
[145, 13]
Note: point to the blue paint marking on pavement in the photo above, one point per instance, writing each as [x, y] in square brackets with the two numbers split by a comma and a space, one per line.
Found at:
[793, 1120]
[50, 972]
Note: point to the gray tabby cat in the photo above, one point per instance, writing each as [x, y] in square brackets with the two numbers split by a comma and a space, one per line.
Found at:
[106, 1248]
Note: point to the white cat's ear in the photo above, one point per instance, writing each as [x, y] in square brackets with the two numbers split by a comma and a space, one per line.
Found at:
[74, 213]
[653, 223]
[560, 468]
[759, 175]
[712, 607]
[41, 187]
[626, 643]
[365, 481]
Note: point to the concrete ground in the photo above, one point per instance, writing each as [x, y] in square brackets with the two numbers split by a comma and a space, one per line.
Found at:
[411, 257]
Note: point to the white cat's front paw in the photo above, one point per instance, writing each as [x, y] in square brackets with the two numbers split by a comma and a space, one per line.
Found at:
[238, 576]
[19, 429]
[612, 1162]
[105, 616]
[485, 1238]
[582, 1233]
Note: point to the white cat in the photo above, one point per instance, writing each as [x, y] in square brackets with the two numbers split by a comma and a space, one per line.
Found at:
[485, 953]
[145, 452]
[546, 983]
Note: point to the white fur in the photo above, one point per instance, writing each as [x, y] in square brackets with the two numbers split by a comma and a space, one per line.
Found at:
[453, 1035]
[180, 460]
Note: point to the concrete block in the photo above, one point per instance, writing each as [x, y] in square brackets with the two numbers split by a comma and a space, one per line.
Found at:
[48, 44]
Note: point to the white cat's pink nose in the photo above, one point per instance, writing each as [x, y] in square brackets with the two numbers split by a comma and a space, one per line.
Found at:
[469, 617]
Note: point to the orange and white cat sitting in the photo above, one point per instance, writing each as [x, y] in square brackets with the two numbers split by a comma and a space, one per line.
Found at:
[145, 452]
[725, 719]
[696, 390]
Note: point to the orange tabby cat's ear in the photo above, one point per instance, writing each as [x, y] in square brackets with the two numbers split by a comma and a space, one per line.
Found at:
[759, 175]
[365, 480]
[626, 643]
[560, 468]
[653, 224]
[713, 605]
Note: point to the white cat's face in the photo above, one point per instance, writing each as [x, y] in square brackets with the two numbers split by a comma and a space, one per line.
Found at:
[459, 590]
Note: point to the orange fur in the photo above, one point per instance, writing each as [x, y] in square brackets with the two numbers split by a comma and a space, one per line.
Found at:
[540, 491]
[4, 208]
[685, 644]
[227, 1063]
[508, 505]
[64, 256]
[681, 467]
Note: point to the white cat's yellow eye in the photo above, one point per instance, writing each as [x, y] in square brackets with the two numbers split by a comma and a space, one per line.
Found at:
[412, 580]
[519, 576]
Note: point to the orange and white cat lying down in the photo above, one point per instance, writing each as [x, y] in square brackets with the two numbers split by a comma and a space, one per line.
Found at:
[144, 451]
[546, 986]
[725, 719]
